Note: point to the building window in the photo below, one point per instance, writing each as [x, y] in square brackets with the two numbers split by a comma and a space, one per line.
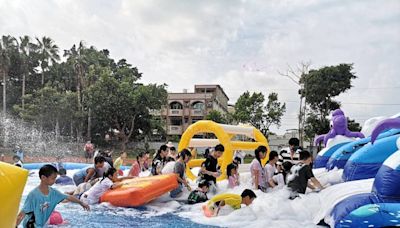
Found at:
[176, 122]
[198, 105]
[175, 105]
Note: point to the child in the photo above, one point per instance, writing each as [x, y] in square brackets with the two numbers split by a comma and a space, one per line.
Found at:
[137, 166]
[86, 174]
[257, 171]
[293, 146]
[110, 181]
[172, 156]
[63, 179]
[17, 161]
[274, 178]
[179, 170]
[146, 159]
[234, 200]
[286, 166]
[42, 200]
[200, 194]
[233, 175]
[119, 161]
[159, 160]
[210, 166]
[300, 174]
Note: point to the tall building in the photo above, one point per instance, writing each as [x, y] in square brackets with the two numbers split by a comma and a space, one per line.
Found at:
[186, 108]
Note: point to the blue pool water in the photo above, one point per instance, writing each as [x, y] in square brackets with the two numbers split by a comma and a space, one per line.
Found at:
[158, 214]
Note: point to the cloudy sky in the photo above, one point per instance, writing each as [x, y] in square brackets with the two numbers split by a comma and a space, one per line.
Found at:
[241, 45]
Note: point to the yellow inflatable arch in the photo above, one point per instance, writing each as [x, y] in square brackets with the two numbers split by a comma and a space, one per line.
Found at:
[225, 134]
[12, 183]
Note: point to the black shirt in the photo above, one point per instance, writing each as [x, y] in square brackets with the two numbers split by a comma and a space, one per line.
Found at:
[211, 164]
[302, 173]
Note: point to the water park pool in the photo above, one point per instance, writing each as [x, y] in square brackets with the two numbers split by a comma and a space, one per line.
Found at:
[271, 209]
[161, 213]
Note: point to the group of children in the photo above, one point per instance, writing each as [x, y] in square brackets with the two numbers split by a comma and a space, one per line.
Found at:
[104, 174]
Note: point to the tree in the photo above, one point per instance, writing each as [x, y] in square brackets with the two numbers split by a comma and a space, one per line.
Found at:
[7, 44]
[320, 87]
[249, 109]
[122, 104]
[48, 53]
[216, 116]
[353, 125]
[25, 48]
[273, 113]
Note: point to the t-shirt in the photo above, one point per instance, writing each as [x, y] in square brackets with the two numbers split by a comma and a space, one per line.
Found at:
[256, 166]
[168, 167]
[100, 172]
[233, 181]
[211, 164]
[233, 200]
[41, 206]
[197, 196]
[135, 169]
[117, 163]
[298, 179]
[20, 154]
[158, 163]
[93, 195]
[179, 169]
[270, 171]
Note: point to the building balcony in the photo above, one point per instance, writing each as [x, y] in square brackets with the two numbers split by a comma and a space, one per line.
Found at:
[197, 112]
[174, 130]
[175, 112]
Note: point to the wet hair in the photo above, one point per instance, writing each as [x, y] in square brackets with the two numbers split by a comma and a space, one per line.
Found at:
[140, 155]
[163, 147]
[249, 193]
[62, 171]
[237, 160]
[99, 159]
[287, 165]
[219, 147]
[172, 148]
[47, 170]
[272, 155]
[123, 152]
[203, 183]
[294, 142]
[257, 152]
[110, 172]
[147, 152]
[19, 165]
[185, 153]
[304, 155]
[229, 169]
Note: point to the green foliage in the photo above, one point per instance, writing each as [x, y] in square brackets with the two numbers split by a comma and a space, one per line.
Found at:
[320, 87]
[88, 92]
[353, 125]
[216, 116]
[251, 109]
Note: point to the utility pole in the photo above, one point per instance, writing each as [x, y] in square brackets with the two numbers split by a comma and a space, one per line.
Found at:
[295, 76]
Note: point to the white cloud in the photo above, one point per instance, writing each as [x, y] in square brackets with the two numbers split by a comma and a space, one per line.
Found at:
[238, 44]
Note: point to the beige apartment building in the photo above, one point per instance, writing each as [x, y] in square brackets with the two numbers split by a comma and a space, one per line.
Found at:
[186, 108]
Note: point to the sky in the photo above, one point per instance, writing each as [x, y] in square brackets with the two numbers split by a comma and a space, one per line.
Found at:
[240, 45]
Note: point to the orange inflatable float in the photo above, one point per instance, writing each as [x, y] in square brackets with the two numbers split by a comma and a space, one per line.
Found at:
[139, 191]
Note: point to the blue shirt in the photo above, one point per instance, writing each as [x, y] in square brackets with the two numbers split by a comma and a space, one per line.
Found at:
[20, 154]
[41, 205]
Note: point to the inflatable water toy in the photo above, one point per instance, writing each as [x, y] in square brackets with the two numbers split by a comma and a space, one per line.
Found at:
[12, 183]
[139, 191]
[366, 162]
[333, 144]
[339, 127]
[381, 207]
[340, 157]
[225, 134]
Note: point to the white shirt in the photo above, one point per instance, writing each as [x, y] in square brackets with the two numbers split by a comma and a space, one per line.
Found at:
[270, 170]
[92, 196]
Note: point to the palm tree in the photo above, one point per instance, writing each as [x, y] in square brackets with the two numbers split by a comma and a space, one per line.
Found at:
[25, 48]
[7, 44]
[48, 52]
